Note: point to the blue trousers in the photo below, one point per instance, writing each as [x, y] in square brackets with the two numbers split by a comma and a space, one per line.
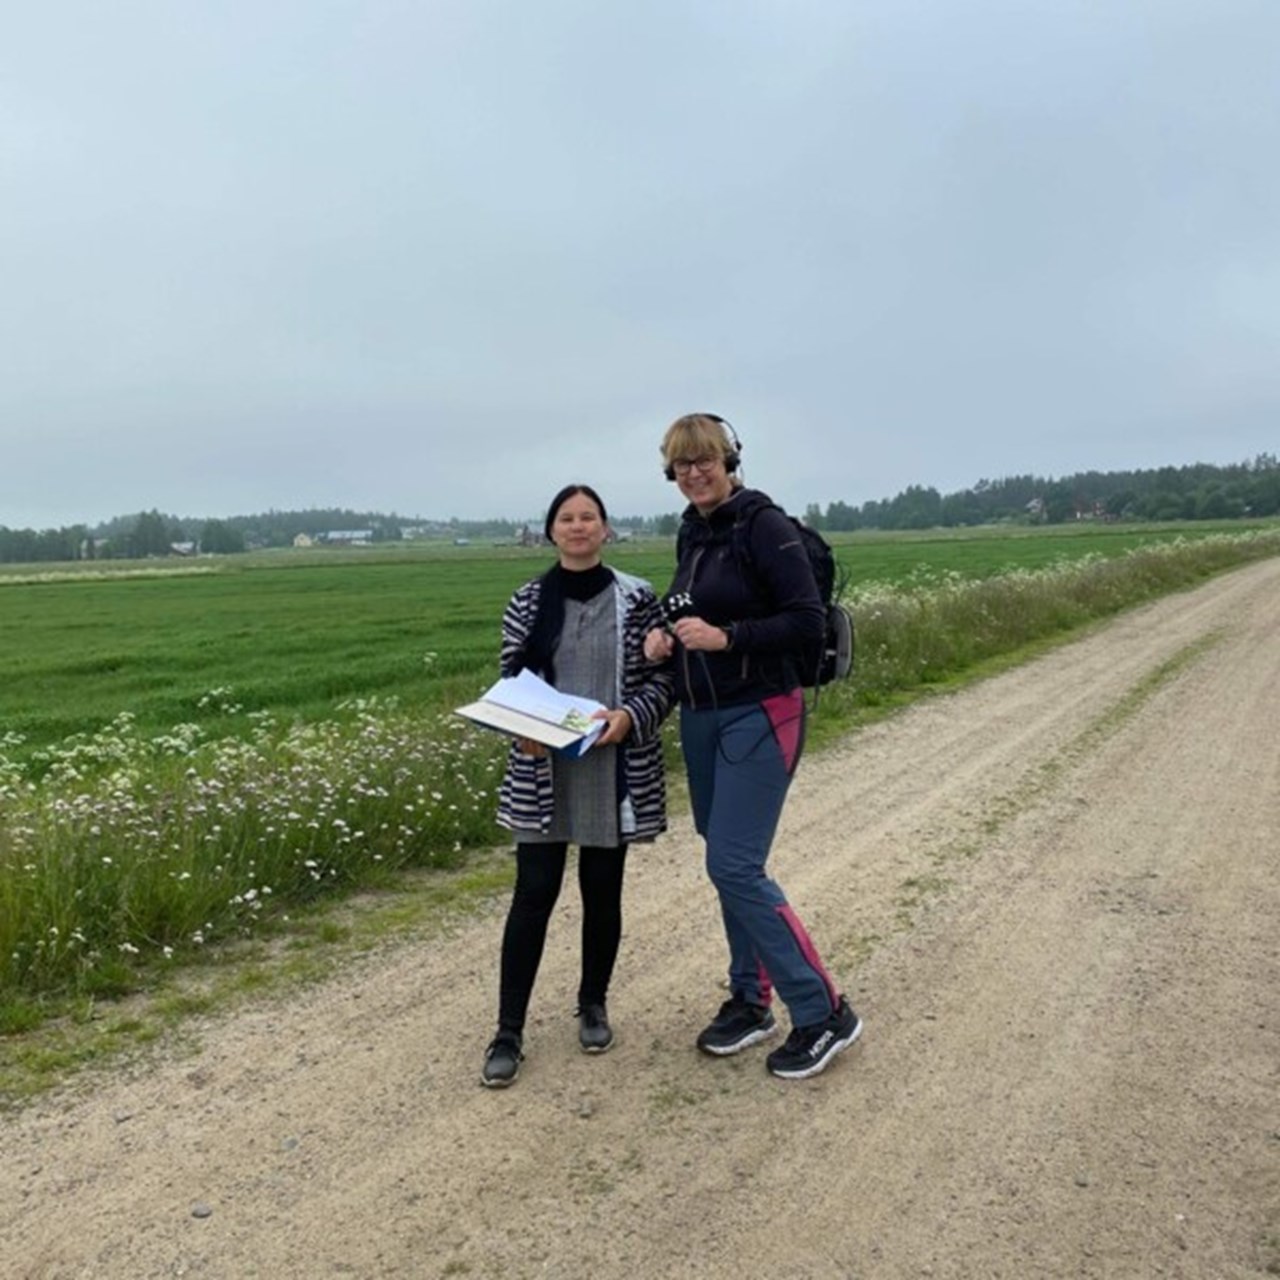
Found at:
[740, 761]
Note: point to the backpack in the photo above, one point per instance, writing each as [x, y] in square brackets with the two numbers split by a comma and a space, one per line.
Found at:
[831, 658]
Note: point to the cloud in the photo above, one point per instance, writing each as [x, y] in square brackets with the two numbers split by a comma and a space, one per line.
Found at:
[439, 258]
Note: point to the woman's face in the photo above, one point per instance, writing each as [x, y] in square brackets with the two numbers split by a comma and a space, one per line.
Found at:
[703, 481]
[578, 531]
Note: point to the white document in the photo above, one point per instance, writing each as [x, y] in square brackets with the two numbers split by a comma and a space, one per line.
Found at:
[526, 706]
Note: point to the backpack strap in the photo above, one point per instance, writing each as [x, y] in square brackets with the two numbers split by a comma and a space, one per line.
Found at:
[740, 535]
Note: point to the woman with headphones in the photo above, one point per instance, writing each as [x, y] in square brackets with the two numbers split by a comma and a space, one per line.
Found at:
[581, 627]
[742, 605]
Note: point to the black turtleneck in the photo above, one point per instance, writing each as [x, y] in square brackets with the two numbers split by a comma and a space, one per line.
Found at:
[583, 584]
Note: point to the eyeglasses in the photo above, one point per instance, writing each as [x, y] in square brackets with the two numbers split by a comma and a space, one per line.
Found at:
[682, 466]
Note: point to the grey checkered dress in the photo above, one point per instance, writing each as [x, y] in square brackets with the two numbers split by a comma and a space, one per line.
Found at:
[586, 790]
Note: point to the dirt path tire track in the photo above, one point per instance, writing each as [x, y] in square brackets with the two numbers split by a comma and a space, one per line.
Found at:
[1055, 899]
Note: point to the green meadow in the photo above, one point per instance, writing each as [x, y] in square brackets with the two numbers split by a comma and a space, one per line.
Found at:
[296, 632]
[191, 756]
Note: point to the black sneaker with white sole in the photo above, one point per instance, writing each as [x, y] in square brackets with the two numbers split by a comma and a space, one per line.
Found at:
[809, 1050]
[502, 1061]
[737, 1026]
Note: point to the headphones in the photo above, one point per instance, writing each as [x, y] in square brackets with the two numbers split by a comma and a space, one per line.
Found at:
[733, 446]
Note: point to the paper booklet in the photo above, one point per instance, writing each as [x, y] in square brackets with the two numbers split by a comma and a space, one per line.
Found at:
[526, 706]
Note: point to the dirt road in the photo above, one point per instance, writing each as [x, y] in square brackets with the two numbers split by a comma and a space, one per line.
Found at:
[1055, 900]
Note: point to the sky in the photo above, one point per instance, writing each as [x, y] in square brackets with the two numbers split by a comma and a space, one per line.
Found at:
[441, 257]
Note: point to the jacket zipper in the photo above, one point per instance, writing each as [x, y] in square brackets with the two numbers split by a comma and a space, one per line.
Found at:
[684, 653]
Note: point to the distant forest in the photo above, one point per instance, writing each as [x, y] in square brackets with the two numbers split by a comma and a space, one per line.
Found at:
[1198, 492]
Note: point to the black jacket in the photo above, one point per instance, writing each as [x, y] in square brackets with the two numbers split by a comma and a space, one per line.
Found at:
[744, 564]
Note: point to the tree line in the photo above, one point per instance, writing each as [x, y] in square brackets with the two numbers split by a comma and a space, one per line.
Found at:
[1198, 492]
[139, 537]
[151, 533]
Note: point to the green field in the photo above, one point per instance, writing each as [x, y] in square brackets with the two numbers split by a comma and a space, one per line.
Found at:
[281, 637]
[187, 758]
[296, 632]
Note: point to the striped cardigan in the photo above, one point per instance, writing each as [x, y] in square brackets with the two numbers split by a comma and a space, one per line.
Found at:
[645, 691]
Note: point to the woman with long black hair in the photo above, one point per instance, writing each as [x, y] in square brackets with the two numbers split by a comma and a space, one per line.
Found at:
[581, 627]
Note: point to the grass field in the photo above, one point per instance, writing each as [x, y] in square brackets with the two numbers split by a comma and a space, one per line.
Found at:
[186, 759]
[295, 632]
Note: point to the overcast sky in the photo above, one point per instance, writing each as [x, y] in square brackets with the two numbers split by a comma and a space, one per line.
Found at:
[439, 257]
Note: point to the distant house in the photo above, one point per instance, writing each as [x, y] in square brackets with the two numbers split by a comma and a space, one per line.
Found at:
[183, 548]
[304, 540]
[348, 537]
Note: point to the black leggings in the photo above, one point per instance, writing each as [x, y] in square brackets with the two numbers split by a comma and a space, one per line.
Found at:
[539, 874]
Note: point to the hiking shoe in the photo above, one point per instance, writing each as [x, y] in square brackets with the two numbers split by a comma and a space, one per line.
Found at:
[737, 1026]
[502, 1061]
[809, 1050]
[595, 1035]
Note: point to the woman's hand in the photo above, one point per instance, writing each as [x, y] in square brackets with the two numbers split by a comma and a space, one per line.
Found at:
[616, 730]
[658, 645]
[694, 633]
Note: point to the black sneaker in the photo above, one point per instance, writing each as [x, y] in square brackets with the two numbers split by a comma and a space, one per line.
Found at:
[737, 1026]
[809, 1050]
[502, 1061]
[594, 1033]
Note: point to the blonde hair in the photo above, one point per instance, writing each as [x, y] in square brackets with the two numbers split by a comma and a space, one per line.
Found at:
[696, 435]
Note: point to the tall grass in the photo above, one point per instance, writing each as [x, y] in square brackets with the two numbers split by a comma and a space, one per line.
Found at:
[121, 849]
[926, 630]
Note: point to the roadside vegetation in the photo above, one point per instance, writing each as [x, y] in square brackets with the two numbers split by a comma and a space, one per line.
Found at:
[325, 759]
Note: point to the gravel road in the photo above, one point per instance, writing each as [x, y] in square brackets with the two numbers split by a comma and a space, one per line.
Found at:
[1055, 899]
